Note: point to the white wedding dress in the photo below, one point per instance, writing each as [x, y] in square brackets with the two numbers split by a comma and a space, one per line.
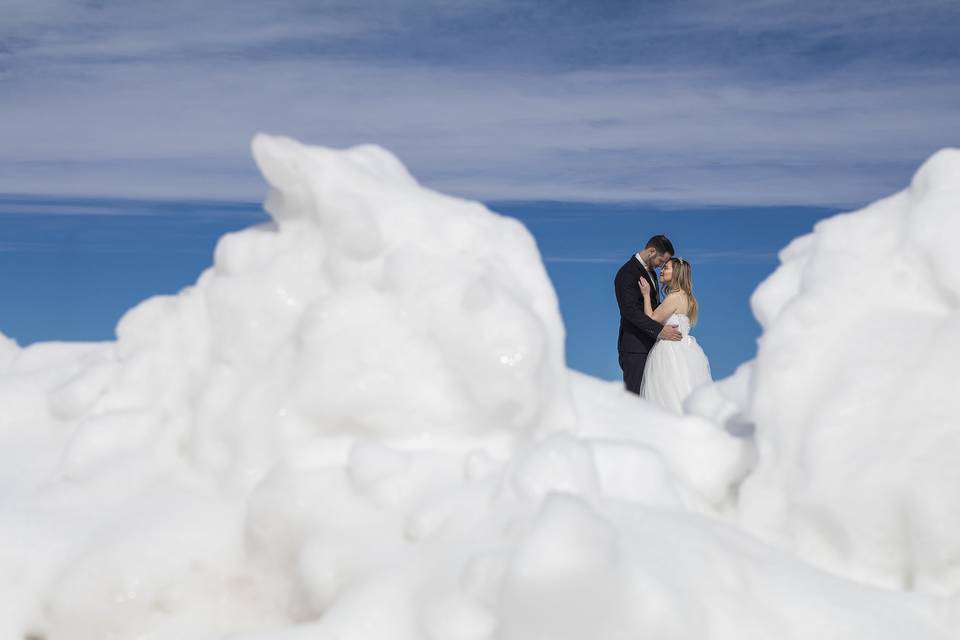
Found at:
[674, 368]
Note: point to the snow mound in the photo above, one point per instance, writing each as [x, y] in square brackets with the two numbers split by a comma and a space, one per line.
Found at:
[853, 393]
[370, 306]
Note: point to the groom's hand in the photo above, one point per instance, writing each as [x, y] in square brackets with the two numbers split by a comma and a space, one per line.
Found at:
[670, 332]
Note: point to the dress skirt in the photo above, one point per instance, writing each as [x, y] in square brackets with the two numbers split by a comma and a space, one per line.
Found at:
[674, 369]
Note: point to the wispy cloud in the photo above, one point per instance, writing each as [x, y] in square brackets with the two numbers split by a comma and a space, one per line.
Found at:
[746, 256]
[763, 103]
[695, 257]
[27, 247]
[185, 209]
[583, 260]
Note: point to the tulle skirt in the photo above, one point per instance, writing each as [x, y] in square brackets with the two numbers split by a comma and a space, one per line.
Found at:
[674, 369]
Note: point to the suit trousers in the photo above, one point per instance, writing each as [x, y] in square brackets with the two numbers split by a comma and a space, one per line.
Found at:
[632, 365]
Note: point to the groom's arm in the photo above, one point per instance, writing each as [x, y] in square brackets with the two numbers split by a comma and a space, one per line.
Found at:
[630, 301]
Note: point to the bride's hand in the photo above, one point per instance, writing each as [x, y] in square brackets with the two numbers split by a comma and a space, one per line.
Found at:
[644, 287]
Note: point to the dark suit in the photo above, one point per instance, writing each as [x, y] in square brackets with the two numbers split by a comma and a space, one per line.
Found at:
[638, 333]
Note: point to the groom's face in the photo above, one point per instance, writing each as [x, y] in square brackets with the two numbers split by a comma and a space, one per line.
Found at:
[660, 259]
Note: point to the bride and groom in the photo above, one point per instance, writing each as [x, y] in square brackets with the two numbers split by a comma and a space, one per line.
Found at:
[661, 361]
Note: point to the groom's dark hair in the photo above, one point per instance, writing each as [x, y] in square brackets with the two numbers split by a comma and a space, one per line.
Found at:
[661, 243]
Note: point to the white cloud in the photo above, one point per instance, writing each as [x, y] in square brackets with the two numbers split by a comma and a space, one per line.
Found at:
[136, 103]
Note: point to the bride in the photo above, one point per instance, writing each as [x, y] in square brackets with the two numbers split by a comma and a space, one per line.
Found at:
[674, 369]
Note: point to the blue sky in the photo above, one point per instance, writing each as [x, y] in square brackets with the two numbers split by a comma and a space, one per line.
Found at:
[70, 267]
[597, 123]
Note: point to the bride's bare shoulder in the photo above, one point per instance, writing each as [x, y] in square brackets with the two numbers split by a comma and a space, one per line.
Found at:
[677, 301]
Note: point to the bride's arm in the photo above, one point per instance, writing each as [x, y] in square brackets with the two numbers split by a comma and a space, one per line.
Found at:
[667, 308]
[647, 306]
[664, 310]
[667, 331]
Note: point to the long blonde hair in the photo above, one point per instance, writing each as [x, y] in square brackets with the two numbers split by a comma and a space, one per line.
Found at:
[682, 280]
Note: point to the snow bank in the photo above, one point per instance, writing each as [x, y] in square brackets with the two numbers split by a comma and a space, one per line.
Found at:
[358, 425]
[853, 393]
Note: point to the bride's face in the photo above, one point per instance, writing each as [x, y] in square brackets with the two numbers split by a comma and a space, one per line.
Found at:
[666, 273]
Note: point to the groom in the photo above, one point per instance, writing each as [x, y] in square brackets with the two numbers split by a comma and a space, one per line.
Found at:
[638, 333]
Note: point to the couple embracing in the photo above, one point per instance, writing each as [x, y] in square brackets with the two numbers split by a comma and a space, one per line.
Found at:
[661, 361]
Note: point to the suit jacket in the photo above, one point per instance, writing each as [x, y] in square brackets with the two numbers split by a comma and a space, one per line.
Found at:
[638, 333]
